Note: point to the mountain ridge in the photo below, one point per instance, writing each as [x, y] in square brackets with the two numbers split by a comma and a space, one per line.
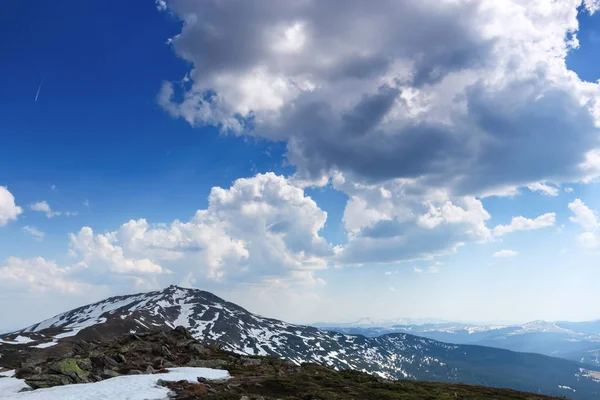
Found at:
[215, 321]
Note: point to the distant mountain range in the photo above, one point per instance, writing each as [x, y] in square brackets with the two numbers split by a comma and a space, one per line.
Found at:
[215, 321]
[579, 341]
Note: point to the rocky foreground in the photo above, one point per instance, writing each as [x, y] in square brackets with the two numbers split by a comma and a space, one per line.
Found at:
[253, 377]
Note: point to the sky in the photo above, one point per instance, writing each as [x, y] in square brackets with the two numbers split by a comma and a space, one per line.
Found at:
[310, 161]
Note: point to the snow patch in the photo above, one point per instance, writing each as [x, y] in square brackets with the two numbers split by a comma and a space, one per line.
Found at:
[131, 387]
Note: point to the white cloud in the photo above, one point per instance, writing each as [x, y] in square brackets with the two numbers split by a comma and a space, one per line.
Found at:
[161, 5]
[38, 274]
[392, 289]
[592, 5]
[454, 95]
[401, 221]
[101, 252]
[86, 203]
[568, 189]
[37, 234]
[505, 254]
[588, 220]
[526, 224]
[261, 229]
[420, 123]
[584, 216]
[9, 211]
[417, 270]
[53, 188]
[543, 188]
[589, 240]
[43, 206]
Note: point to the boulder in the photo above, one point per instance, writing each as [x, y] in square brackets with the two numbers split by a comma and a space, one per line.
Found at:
[47, 380]
[69, 367]
[109, 373]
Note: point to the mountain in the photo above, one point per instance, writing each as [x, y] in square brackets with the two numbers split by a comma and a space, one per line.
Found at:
[217, 322]
[578, 341]
[140, 365]
[380, 322]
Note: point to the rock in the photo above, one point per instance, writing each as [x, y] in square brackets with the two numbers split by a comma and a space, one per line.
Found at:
[168, 364]
[150, 370]
[244, 398]
[251, 362]
[120, 358]
[70, 368]
[47, 380]
[134, 372]
[215, 363]
[26, 389]
[160, 382]
[158, 362]
[198, 349]
[164, 351]
[84, 363]
[183, 332]
[109, 362]
[109, 373]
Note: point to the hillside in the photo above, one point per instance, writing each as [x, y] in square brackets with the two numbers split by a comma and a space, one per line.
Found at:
[216, 322]
[165, 353]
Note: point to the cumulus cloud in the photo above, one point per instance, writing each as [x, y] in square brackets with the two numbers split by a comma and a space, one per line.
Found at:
[588, 220]
[526, 224]
[260, 230]
[401, 221]
[505, 254]
[454, 93]
[9, 211]
[406, 98]
[37, 234]
[100, 251]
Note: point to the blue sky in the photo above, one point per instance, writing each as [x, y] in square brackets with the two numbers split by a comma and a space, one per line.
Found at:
[378, 167]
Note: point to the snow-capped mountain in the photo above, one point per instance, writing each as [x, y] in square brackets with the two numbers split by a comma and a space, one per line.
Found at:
[215, 321]
[578, 341]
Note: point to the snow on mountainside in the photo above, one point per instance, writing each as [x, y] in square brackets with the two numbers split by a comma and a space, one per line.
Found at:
[215, 321]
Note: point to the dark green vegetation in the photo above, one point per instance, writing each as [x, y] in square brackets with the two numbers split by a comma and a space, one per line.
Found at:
[315, 382]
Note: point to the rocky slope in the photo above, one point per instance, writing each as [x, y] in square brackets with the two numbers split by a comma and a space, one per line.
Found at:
[253, 377]
[216, 322]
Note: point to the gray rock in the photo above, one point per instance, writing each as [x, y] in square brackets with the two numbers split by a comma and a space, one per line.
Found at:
[47, 380]
[198, 349]
[109, 373]
[215, 363]
[160, 382]
[135, 372]
[251, 362]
